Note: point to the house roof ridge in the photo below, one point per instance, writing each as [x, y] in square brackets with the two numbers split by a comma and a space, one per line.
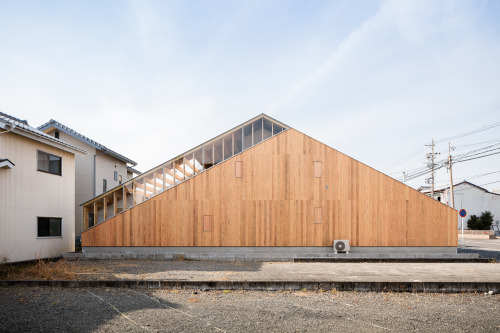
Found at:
[25, 127]
[84, 138]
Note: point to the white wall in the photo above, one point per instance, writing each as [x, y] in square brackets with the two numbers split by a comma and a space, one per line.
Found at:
[26, 194]
[475, 201]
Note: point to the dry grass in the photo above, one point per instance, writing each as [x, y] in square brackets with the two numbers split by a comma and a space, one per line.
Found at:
[40, 270]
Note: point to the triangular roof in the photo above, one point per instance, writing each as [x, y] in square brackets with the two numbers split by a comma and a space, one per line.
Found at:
[57, 125]
[457, 184]
[276, 127]
[21, 127]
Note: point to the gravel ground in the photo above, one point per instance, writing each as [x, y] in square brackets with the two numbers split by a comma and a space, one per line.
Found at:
[119, 310]
[482, 253]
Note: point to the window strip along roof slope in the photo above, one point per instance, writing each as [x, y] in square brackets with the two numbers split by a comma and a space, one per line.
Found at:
[280, 127]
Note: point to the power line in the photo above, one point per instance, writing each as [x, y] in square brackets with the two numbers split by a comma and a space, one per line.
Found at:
[468, 133]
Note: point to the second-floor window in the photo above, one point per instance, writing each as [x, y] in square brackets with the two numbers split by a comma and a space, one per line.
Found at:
[104, 185]
[116, 175]
[49, 163]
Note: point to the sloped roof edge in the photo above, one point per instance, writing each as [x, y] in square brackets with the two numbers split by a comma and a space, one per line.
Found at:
[81, 137]
[462, 182]
[21, 127]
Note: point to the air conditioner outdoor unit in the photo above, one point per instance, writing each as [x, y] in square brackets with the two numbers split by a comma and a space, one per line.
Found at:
[341, 246]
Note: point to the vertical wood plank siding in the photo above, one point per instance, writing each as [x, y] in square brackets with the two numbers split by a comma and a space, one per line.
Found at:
[276, 204]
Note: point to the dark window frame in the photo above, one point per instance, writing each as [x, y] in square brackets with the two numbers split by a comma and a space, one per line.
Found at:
[38, 221]
[38, 151]
[104, 185]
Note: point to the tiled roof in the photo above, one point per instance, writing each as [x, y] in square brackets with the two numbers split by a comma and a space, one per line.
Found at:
[22, 125]
[137, 172]
[95, 144]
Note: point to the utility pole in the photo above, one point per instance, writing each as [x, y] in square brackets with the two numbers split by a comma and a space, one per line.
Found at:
[432, 168]
[452, 200]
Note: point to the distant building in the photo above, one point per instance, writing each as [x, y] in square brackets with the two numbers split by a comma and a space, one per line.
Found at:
[37, 186]
[474, 199]
[97, 172]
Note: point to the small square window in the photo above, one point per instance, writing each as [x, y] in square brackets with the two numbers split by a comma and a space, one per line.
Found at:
[207, 223]
[318, 215]
[49, 163]
[49, 227]
[238, 166]
[56, 134]
[317, 169]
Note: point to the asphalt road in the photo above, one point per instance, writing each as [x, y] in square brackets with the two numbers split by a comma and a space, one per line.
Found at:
[481, 244]
[122, 310]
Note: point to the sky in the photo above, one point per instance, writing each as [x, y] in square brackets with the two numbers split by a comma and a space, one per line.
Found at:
[376, 80]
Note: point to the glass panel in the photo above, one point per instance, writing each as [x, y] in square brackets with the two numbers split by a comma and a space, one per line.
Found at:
[208, 156]
[149, 185]
[247, 136]
[277, 129]
[179, 170]
[129, 194]
[43, 161]
[228, 146]
[138, 191]
[158, 180]
[218, 151]
[188, 165]
[257, 131]
[198, 160]
[268, 128]
[55, 227]
[54, 164]
[237, 142]
[169, 175]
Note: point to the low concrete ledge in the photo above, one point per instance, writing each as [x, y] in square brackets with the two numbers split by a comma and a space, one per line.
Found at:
[477, 236]
[400, 260]
[284, 257]
[413, 287]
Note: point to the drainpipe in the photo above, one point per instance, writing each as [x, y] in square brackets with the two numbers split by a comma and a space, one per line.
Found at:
[94, 169]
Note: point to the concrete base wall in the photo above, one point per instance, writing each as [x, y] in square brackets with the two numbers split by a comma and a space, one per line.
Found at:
[261, 253]
[299, 250]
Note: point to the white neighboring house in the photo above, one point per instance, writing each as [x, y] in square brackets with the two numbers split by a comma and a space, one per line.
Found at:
[37, 186]
[474, 199]
[97, 172]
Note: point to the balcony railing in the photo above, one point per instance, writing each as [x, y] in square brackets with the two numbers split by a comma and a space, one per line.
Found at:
[179, 169]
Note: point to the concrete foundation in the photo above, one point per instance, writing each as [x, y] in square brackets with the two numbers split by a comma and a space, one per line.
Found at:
[263, 253]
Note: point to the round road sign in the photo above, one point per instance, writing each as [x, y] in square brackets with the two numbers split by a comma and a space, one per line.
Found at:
[463, 213]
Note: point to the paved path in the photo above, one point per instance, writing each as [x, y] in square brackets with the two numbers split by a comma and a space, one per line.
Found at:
[285, 271]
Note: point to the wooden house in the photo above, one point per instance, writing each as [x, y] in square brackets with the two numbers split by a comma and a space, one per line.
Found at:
[264, 187]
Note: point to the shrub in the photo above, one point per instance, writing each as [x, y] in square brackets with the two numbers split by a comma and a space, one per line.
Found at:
[483, 222]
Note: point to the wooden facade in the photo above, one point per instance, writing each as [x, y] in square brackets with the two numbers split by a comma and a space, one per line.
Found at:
[290, 190]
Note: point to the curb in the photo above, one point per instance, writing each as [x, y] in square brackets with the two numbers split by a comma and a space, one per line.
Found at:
[399, 260]
[418, 287]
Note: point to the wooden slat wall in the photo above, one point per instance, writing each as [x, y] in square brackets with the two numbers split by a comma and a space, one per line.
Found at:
[276, 203]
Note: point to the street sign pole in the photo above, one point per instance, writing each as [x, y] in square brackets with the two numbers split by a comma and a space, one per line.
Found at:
[463, 213]
[462, 232]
